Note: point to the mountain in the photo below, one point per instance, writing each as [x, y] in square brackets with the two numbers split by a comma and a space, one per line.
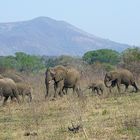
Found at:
[46, 36]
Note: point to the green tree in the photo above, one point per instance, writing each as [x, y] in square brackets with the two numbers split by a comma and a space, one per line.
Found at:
[131, 59]
[103, 56]
[28, 62]
[131, 55]
[8, 62]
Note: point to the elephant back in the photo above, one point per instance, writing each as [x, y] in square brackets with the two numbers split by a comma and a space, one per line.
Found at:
[72, 76]
[127, 75]
[13, 76]
[59, 67]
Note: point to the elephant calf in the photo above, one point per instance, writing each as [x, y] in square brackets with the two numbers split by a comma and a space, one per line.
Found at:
[8, 89]
[24, 90]
[97, 86]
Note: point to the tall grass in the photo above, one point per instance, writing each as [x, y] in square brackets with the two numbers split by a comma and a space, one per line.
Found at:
[112, 117]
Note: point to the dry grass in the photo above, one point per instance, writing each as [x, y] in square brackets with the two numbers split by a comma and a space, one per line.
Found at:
[114, 117]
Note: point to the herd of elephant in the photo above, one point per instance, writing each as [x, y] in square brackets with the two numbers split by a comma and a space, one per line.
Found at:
[63, 78]
[9, 88]
[68, 77]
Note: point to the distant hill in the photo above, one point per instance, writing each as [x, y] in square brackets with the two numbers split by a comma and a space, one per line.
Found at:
[46, 36]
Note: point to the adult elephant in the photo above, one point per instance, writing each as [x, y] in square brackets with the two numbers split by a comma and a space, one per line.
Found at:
[49, 77]
[64, 78]
[8, 89]
[14, 76]
[118, 77]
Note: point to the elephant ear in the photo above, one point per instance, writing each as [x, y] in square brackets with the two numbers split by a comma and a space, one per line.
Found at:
[114, 75]
[52, 71]
[59, 75]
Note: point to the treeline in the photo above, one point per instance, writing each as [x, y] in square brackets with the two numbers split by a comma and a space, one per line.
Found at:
[22, 62]
[129, 58]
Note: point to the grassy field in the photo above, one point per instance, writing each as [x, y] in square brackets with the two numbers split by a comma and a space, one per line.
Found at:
[109, 117]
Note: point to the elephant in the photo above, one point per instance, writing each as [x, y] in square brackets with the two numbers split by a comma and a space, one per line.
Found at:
[97, 86]
[118, 77]
[64, 78]
[8, 89]
[14, 76]
[24, 90]
[49, 77]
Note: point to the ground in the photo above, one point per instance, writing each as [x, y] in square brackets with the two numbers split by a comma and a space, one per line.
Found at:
[108, 117]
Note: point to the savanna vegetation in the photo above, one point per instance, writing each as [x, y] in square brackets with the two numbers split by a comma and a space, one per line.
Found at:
[111, 116]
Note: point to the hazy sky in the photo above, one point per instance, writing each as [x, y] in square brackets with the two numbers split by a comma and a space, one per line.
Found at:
[118, 20]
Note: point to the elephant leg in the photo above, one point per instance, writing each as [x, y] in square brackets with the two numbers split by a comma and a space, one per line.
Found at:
[60, 92]
[126, 88]
[47, 90]
[30, 97]
[12, 98]
[118, 86]
[66, 90]
[61, 85]
[79, 91]
[23, 96]
[113, 84]
[110, 90]
[46, 95]
[76, 90]
[97, 91]
[55, 90]
[1, 95]
[5, 100]
[93, 90]
[101, 90]
[1, 98]
[15, 93]
[135, 86]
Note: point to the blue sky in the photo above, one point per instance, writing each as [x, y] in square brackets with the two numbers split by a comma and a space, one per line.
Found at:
[117, 20]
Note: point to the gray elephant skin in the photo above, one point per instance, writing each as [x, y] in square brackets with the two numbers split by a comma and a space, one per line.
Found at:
[24, 90]
[97, 86]
[64, 78]
[8, 89]
[118, 77]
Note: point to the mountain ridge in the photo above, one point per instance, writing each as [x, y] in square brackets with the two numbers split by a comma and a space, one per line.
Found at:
[46, 36]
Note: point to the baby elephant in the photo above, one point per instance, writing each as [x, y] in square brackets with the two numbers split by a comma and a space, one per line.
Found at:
[97, 86]
[24, 90]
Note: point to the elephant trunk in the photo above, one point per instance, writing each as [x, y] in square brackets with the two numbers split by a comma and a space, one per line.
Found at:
[30, 97]
[47, 90]
[106, 81]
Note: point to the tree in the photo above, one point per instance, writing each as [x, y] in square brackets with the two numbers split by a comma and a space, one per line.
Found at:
[131, 55]
[28, 62]
[103, 56]
[131, 59]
